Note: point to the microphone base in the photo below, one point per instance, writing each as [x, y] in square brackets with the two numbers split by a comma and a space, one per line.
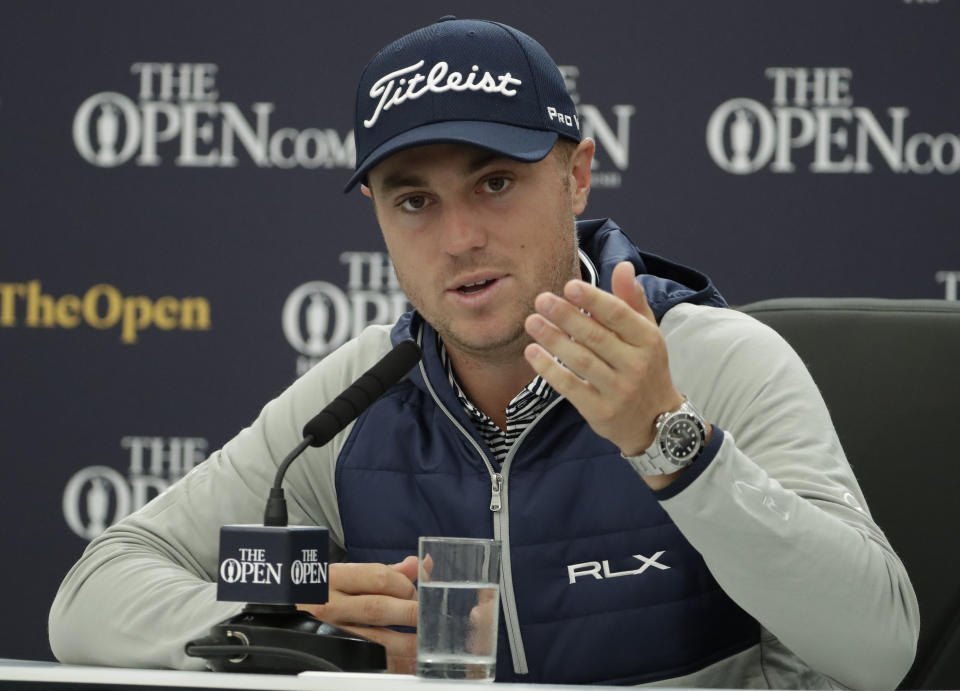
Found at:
[286, 628]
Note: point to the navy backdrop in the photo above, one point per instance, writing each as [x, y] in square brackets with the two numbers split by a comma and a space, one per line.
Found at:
[175, 246]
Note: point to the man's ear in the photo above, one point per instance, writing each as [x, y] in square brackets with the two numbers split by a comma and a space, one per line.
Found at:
[366, 191]
[580, 174]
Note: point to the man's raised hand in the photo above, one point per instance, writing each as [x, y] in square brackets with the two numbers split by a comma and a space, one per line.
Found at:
[615, 369]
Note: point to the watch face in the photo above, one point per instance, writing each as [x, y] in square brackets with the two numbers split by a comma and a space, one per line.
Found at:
[681, 438]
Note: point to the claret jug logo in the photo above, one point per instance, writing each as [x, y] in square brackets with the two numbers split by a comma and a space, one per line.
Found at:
[98, 496]
[252, 566]
[177, 116]
[319, 316]
[613, 141]
[812, 108]
[100, 307]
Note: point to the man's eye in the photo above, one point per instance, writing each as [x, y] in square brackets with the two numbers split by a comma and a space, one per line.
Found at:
[498, 184]
[414, 203]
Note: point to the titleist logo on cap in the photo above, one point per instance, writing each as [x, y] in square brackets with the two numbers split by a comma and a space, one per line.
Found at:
[389, 88]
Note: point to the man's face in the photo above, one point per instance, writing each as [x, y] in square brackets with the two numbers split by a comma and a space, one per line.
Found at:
[475, 237]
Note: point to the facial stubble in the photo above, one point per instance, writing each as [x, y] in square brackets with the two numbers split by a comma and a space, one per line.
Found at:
[555, 269]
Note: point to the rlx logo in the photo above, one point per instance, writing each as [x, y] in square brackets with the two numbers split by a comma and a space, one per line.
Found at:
[601, 570]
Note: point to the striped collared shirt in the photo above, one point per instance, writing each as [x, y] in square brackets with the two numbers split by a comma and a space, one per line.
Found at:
[525, 406]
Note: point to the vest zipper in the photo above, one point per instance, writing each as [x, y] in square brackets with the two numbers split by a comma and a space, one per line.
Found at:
[496, 482]
[501, 532]
[508, 599]
[500, 509]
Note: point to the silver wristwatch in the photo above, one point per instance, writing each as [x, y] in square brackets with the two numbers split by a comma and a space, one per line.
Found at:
[681, 436]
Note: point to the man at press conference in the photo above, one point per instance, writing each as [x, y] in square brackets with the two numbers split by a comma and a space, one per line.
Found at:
[583, 402]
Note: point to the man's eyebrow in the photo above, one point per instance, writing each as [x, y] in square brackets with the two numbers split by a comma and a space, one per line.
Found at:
[481, 161]
[400, 179]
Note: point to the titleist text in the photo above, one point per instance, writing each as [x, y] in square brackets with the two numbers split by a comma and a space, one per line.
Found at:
[390, 91]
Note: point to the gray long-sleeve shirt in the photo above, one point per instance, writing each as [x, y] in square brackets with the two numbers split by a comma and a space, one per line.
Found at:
[777, 515]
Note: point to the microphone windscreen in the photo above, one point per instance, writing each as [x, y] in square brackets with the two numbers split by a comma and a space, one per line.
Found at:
[346, 407]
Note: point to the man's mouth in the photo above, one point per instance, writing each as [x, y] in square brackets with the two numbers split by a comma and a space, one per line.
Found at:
[475, 287]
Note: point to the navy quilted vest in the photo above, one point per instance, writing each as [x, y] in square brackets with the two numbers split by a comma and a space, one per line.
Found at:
[573, 510]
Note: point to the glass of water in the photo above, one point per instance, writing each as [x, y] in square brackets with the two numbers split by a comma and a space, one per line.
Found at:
[458, 596]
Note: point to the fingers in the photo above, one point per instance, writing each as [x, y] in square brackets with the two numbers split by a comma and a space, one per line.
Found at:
[401, 647]
[487, 595]
[376, 578]
[374, 594]
[407, 567]
[591, 355]
[374, 610]
[565, 382]
[427, 567]
[592, 316]
[615, 367]
[481, 640]
[601, 325]
[625, 286]
[611, 331]
[380, 596]
[312, 609]
[625, 312]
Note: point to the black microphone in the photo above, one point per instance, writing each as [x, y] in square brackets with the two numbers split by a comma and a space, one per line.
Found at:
[346, 407]
[273, 567]
[343, 410]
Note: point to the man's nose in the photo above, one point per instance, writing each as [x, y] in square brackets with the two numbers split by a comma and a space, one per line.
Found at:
[462, 230]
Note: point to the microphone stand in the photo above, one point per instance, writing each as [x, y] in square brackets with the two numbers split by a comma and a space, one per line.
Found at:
[279, 638]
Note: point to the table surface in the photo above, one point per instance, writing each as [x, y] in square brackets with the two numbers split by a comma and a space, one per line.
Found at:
[29, 672]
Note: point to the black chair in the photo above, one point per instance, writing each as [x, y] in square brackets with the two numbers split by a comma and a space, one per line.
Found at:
[889, 371]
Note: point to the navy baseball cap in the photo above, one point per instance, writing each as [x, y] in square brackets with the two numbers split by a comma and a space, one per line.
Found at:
[463, 81]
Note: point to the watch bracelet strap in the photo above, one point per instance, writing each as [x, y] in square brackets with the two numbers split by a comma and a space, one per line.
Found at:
[645, 463]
